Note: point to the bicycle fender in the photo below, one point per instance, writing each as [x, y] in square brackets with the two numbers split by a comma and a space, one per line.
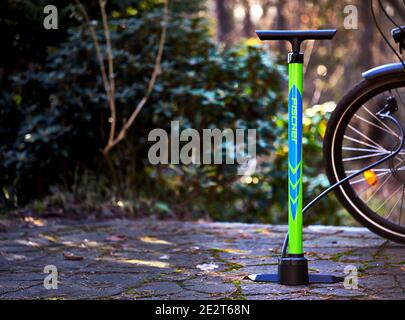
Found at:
[383, 70]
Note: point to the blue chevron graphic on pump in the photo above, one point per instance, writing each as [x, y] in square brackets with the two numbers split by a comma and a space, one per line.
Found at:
[294, 148]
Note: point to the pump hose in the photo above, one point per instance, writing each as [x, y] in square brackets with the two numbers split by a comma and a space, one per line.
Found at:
[325, 192]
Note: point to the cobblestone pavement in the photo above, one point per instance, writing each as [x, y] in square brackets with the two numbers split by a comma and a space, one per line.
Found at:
[152, 259]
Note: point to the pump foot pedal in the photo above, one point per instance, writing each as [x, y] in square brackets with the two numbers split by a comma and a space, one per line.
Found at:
[293, 271]
[313, 278]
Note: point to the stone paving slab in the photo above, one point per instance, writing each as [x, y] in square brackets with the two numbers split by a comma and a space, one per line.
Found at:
[153, 259]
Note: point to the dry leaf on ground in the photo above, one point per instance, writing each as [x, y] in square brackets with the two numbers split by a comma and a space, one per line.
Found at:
[71, 256]
[116, 238]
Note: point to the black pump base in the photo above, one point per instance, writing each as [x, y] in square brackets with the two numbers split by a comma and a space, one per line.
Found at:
[293, 271]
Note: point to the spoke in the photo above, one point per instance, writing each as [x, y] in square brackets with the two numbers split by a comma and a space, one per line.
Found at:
[379, 188]
[364, 179]
[380, 174]
[360, 149]
[392, 209]
[378, 170]
[389, 198]
[379, 120]
[377, 126]
[364, 190]
[368, 187]
[402, 203]
[361, 142]
[365, 137]
[383, 170]
[364, 156]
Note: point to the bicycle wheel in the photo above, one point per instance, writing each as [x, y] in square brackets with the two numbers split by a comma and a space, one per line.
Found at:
[356, 137]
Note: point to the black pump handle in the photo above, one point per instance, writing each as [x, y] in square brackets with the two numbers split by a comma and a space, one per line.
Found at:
[296, 37]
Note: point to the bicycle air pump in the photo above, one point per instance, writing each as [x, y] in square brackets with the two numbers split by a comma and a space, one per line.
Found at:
[293, 267]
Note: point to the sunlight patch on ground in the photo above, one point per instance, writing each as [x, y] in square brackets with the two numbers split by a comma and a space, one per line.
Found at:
[48, 237]
[153, 240]
[27, 243]
[155, 264]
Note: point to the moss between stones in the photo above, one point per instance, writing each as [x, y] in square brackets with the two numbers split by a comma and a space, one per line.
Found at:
[228, 250]
[106, 298]
[229, 266]
[363, 268]
[238, 294]
[336, 257]
[51, 237]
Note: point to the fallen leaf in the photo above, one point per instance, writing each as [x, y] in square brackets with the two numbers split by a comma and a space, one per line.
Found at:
[71, 256]
[207, 266]
[236, 277]
[35, 222]
[245, 236]
[311, 253]
[116, 238]
[262, 231]
[50, 238]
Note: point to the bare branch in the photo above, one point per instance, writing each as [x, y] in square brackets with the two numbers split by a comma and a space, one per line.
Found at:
[97, 47]
[111, 103]
[109, 81]
[151, 84]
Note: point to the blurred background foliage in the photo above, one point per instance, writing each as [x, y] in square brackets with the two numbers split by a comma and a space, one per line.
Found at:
[214, 74]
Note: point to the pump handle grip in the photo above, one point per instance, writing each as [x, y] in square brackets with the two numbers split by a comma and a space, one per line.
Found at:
[296, 37]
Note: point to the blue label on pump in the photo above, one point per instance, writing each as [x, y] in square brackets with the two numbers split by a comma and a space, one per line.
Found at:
[294, 149]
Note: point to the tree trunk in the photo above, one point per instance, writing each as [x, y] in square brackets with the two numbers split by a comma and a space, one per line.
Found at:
[366, 42]
[224, 10]
[265, 5]
[248, 28]
[281, 23]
